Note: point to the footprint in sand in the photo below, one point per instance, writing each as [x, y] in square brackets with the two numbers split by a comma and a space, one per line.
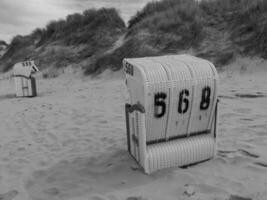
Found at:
[136, 198]
[248, 154]
[257, 95]
[243, 110]
[261, 126]
[9, 195]
[246, 119]
[98, 198]
[189, 191]
[226, 97]
[229, 115]
[232, 154]
[261, 134]
[52, 191]
[262, 164]
[236, 197]
[39, 174]
[103, 121]
[225, 152]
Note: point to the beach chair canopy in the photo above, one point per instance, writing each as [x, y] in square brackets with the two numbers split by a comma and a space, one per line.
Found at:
[25, 69]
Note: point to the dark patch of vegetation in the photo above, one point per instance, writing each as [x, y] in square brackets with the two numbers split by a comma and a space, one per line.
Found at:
[160, 28]
[217, 30]
[68, 41]
[96, 27]
[2, 42]
[250, 29]
[133, 47]
[210, 29]
[19, 49]
[169, 25]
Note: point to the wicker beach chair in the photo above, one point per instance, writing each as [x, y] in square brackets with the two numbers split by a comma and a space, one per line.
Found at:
[25, 84]
[171, 116]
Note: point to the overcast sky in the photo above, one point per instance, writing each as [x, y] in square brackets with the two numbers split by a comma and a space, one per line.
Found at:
[23, 16]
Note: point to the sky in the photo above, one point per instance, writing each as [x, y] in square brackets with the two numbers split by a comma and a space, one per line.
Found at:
[21, 17]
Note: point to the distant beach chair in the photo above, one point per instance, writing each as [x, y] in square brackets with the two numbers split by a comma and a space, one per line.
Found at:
[25, 83]
[171, 119]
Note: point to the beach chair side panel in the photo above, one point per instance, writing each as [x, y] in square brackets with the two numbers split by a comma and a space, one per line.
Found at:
[156, 96]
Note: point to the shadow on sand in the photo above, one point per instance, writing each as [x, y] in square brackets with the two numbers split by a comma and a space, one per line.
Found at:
[7, 96]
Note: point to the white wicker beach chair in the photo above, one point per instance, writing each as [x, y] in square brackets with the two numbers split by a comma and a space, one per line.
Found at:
[171, 117]
[25, 84]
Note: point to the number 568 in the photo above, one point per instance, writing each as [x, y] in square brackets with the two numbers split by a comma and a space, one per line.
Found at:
[183, 102]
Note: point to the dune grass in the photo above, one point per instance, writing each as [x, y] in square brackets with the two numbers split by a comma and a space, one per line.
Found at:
[218, 30]
[67, 41]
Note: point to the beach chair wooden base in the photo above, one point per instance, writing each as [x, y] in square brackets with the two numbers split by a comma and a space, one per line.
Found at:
[25, 87]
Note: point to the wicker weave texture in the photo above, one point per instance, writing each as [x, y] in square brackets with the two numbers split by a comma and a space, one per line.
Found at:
[180, 152]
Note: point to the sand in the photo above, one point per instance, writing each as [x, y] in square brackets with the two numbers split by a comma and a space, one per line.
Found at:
[70, 143]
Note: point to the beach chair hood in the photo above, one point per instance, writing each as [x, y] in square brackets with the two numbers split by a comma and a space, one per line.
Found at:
[25, 69]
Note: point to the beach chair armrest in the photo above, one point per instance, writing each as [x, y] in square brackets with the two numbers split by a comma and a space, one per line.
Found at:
[141, 140]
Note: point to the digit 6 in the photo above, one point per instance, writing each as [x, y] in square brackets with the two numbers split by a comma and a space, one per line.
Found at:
[183, 100]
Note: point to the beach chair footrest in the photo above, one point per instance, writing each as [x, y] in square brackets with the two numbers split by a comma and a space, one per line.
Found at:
[180, 152]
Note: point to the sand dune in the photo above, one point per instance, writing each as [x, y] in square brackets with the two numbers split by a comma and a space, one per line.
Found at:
[70, 143]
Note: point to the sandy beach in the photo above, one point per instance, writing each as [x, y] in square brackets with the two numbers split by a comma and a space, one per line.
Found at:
[70, 143]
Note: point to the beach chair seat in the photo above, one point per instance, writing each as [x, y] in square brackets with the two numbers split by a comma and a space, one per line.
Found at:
[171, 116]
